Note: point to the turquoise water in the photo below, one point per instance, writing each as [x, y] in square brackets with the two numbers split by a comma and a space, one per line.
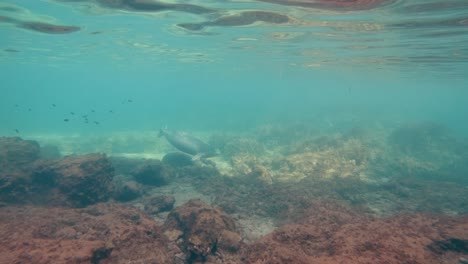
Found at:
[348, 118]
[404, 61]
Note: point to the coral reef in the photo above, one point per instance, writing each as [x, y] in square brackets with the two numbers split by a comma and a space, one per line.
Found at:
[158, 204]
[125, 191]
[75, 181]
[82, 180]
[203, 232]
[177, 159]
[103, 233]
[334, 233]
[152, 172]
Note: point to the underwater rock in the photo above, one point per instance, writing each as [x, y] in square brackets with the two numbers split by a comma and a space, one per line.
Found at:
[50, 152]
[330, 232]
[127, 191]
[126, 166]
[421, 138]
[158, 204]
[17, 154]
[16, 159]
[242, 145]
[103, 233]
[205, 231]
[153, 172]
[451, 244]
[177, 159]
[261, 175]
[319, 164]
[82, 180]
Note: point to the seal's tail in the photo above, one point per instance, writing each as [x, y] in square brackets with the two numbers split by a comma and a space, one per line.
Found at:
[162, 130]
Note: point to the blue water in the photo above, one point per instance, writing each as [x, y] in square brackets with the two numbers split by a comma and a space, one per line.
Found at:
[360, 102]
[391, 64]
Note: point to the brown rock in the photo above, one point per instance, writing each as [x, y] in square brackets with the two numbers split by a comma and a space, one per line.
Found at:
[207, 231]
[153, 172]
[16, 157]
[127, 191]
[16, 153]
[82, 180]
[333, 233]
[158, 204]
[103, 233]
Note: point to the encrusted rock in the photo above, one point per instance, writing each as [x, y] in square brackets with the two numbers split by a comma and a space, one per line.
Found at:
[103, 233]
[207, 231]
[16, 153]
[153, 172]
[158, 204]
[127, 191]
[83, 180]
[177, 159]
[16, 159]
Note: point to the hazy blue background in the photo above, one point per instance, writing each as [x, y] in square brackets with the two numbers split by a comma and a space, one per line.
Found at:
[211, 82]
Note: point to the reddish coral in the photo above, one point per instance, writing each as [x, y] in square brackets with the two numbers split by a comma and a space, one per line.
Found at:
[104, 233]
[333, 233]
[82, 180]
[204, 231]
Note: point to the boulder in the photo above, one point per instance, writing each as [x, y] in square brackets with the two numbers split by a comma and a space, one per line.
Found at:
[153, 172]
[203, 231]
[158, 204]
[83, 180]
[103, 233]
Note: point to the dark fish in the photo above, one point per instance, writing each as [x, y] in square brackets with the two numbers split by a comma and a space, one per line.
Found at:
[110, 111]
[54, 105]
[29, 109]
[66, 120]
[16, 105]
[17, 131]
[72, 113]
[130, 100]
[92, 110]
[96, 122]
[187, 143]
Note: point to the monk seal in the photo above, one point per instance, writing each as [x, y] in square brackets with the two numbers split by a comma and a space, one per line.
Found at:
[187, 143]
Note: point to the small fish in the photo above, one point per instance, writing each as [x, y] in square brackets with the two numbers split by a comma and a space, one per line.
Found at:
[92, 110]
[130, 100]
[72, 113]
[17, 131]
[110, 111]
[96, 122]
[84, 116]
[11, 50]
[16, 105]
[54, 105]
[66, 120]
[29, 109]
